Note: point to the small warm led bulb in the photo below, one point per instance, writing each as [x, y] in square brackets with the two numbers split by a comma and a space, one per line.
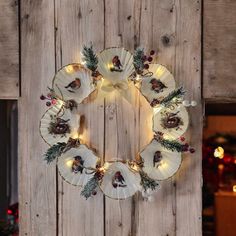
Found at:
[75, 135]
[60, 102]
[138, 77]
[234, 188]
[69, 69]
[163, 164]
[69, 163]
[156, 109]
[160, 71]
[134, 167]
[110, 66]
[106, 165]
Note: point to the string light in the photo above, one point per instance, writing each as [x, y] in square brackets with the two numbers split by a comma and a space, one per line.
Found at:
[110, 66]
[234, 188]
[69, 69]
[75, 135]
[163, 164]
[156, 109]
[104, 167]
[60, 102]
[138, 78]
[160, 71]
[167, 136]
[69, 163]
[219, 153]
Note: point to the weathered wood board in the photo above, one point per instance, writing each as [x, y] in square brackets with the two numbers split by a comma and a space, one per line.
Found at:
[73, 19]
[53, 34]
[37, 181]
[219, 50]
[9, 48]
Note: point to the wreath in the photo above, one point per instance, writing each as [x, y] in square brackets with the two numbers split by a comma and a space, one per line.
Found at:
[115, 69]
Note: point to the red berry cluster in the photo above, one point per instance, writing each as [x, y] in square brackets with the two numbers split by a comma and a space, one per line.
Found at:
[147, 59]
[186, 147]
[51, 99]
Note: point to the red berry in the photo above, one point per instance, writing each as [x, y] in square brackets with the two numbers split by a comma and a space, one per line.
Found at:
[192, 150]
[149, 59]
[54, 101]
[146, 66]
[94, 192]
[185, 147]
[144, 58]
[182, 139]
[152, 52]
[48, 104]
[42, 97]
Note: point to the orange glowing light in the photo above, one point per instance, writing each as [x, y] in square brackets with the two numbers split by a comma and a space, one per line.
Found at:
[234, 188]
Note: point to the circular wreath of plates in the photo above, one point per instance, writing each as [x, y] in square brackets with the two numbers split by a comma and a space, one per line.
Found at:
[77, 163]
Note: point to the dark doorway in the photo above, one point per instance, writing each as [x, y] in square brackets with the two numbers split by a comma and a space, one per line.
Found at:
[8, 168]
[219, 170]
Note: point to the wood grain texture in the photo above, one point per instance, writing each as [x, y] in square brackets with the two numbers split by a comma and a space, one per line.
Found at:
[121, 121]
[161, 15]
[113, 127]
[37, 181]
[9, 48]
[219, 51]
[77, 24]
[176, 35]
[188, 73]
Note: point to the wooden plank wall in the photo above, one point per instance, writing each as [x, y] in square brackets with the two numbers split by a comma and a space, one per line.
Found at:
[9, 48]
[219, 50]
[52, 34]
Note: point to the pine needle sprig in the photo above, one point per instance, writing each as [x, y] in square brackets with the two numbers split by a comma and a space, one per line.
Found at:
[54, 151]
[147, 182]
[177, 94]
[90, 58]
[172, 145]
[90, 187]
[138, 60]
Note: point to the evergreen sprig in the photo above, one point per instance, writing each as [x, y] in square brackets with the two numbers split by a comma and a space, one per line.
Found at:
[90, 187]
[90, 58]
[176, 94]
[54, 151]
[172, 145]
[138, 60]
[147, 182]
